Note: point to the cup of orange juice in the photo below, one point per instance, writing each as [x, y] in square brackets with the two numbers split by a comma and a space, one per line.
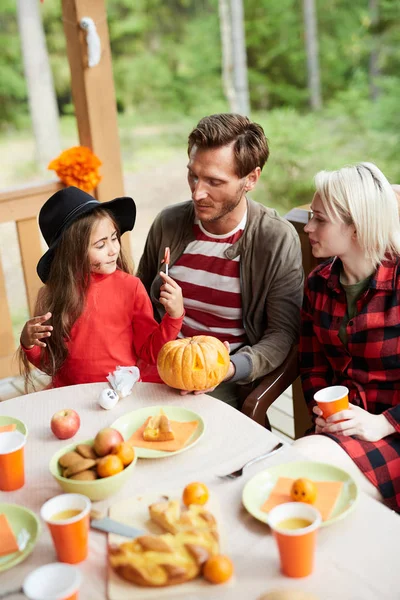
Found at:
[332, 399]
[12, 469]
[294, 526]
[67, 517]
[56, 581]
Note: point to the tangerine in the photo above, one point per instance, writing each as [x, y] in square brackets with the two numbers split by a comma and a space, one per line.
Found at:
[195, 493]
[304, 490]
[125, 452]
[109, 465]
[218, 569]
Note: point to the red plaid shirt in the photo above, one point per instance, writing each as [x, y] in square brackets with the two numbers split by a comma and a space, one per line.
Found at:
[369, 365]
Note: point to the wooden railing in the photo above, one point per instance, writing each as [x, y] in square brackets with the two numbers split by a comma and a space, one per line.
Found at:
[21, 206]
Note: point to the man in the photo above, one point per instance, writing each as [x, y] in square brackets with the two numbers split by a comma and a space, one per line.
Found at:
[238, 263]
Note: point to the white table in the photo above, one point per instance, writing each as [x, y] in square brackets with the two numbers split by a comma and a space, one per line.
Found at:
[357, 558]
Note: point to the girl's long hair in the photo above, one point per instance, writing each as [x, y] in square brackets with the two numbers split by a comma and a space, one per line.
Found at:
[64, 294]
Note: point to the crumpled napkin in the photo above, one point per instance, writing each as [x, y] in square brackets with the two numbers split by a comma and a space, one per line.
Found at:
[123, 379]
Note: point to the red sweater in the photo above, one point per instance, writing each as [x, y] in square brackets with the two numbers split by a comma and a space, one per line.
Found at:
[117, 327]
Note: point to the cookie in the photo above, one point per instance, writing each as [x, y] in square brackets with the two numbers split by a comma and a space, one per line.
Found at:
[83, 464]
[86, 451]
[88, 475]
[69, 459]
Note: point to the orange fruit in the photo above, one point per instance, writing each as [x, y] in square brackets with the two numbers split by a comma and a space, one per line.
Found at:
[109, 465]
[218, 569]
[304, 490]
[195, 493]
[125, 452]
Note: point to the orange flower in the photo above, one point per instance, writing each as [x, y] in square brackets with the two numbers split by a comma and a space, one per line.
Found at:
[77, 166]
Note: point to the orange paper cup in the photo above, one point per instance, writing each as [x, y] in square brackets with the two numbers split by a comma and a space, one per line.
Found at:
[70, 534]
[296, 546]
[55, 581]
[12, 471]
[332, 399]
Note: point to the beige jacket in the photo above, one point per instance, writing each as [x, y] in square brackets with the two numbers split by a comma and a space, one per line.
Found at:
[271, 280]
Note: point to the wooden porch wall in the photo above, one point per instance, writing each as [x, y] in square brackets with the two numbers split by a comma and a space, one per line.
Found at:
[21, 206]
[96, 115]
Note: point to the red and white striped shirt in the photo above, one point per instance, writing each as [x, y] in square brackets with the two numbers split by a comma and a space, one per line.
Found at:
[211, 286]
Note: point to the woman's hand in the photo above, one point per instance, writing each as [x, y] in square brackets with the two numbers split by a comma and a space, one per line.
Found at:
[171, 297]
[34, 331]
[354, 421]
[231, 372]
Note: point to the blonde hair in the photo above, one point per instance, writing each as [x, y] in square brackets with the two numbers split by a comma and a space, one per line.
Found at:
[360, 195]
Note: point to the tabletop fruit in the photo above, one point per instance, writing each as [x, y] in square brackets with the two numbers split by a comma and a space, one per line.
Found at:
[304, 490]
[65, 423]
[218, 569]
[197, 363]
[109, 465]
[106, 440]
[195, 493]
[125, 452]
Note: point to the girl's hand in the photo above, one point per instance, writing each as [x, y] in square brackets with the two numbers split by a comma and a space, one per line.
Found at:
[171, 297]
[231, 372]
[34, 331]
[357, 422]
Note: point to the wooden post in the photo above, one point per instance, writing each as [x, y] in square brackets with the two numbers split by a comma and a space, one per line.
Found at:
[298, 217]
[31, 251]
[94, 96]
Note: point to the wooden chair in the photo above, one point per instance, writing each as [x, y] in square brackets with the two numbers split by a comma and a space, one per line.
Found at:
[259, 396]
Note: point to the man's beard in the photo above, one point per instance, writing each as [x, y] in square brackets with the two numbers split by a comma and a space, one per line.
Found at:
[227, 208]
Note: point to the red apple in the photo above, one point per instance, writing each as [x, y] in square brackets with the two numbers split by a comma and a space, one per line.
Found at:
[106, 440]
[65, 423]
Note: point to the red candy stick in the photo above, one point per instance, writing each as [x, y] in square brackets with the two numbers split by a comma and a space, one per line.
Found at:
[166, 259]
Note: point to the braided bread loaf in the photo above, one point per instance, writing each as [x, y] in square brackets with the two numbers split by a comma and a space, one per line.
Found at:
[170, 558]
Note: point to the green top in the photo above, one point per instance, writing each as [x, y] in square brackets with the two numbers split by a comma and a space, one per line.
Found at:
[353, 293]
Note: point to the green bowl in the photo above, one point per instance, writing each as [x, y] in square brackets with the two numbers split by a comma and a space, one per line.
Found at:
[94, 490]
[21, 427]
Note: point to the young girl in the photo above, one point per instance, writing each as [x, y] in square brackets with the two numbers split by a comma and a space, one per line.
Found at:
[351, 327]
[92, 314]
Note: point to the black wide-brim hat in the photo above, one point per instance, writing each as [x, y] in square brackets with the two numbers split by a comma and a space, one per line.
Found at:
[66, 206]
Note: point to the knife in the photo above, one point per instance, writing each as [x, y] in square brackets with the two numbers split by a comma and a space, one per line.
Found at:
[111, 526]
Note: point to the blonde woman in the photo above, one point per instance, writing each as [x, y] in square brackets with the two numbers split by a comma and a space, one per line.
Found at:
[351, 326]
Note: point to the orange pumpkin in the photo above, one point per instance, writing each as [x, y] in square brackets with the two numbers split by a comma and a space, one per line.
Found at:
[197, 363]
[304, 490]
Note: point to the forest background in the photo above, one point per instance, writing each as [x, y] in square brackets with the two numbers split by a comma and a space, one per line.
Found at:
[167, 72]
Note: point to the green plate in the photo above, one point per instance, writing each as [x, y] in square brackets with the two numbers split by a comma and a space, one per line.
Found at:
[20, 426]
[129, 423]
[257, 490]
[19, 518]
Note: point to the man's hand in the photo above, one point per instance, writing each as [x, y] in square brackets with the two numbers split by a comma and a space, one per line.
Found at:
[171, 297]
[34, 331]
[355, 421]
[229, 375]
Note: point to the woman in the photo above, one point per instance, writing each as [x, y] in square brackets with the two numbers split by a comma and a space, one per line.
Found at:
[351, 326]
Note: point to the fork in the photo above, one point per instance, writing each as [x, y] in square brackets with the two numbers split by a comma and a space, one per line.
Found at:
[239, 472]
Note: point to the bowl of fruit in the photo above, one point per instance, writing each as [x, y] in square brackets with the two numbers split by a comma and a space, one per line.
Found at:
[96, 468]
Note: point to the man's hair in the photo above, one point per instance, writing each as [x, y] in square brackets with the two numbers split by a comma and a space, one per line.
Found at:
[360, 195]
[250, 146]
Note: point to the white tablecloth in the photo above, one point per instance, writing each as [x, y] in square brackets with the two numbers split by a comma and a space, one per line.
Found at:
[357, 558]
